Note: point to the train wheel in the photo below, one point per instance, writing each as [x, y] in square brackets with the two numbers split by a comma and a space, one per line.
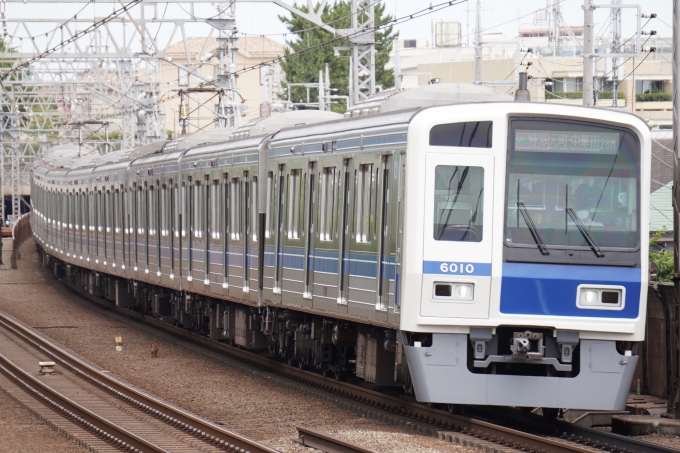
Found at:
[550, 413]
[457, 409]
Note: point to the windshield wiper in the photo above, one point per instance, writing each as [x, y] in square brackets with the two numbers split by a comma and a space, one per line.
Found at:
[591, 242]
[532, 227]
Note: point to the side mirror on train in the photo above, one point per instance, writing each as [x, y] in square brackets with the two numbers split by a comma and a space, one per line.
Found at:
[653, 271]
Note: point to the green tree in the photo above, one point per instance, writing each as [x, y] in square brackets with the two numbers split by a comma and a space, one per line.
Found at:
[304, 68]
[663, 259]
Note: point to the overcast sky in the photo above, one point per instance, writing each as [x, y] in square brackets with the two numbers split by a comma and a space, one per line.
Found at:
[498, 16]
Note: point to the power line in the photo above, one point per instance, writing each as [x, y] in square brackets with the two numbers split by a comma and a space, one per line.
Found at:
[73, 38]
[424, 12]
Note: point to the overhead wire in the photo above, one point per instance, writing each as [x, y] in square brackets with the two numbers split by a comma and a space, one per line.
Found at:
[426, 11]
[73, 38]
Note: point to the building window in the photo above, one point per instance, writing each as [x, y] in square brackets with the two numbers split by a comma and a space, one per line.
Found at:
[182, 77]
[648, 86]
[409, 43]
[568, 84]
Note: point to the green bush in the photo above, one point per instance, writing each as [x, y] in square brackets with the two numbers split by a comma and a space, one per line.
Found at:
[662, 258]
[608, 95]
[653, 97]
[579, 95]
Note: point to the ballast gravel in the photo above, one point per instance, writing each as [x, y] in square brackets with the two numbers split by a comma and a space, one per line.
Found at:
[194, 381]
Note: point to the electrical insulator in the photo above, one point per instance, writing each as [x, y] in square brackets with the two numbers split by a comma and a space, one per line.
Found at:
[649, 49]
[648, 15]
[648, 32]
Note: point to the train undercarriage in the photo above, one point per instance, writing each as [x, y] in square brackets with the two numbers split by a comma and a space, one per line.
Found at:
[335, 348]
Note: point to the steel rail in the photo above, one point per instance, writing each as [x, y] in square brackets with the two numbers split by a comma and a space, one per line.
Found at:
[177, 418]
[324, 442]
[588, 436]
[492, 432]
[102, 428]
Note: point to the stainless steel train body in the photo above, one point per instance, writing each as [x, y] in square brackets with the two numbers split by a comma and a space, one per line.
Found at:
[489, 253]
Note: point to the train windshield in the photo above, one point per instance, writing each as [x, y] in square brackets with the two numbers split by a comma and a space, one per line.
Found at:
[571, 185]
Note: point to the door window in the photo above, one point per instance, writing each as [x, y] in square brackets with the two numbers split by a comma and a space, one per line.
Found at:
[458, 203]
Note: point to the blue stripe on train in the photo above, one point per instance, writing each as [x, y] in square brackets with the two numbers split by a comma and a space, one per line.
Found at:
[550, 289]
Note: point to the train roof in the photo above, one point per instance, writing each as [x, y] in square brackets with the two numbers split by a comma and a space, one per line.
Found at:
[401, 117]
[426, 96]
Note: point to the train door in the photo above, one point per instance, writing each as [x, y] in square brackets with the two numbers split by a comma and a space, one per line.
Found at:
[457, 240]
[235, 240]
[107, 227]
[385, 257]
[327, 215]
[214, 237]
[245, 228]
[156, 224]
[292, 266]
[363, 248]
[399, 240]
[225, 208]
[278, 231]
[164, 234]
[345, 233]
[253, 238]
[308, 232]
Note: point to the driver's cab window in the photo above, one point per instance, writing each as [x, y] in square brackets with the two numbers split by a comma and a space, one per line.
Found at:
[458, 203]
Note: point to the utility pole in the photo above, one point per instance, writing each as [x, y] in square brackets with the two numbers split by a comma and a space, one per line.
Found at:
[588, 51]
[478, 45]
[322, 105]
[362, 65]
[673, 387]
[616, 42]
[397, 66]
[556, 25]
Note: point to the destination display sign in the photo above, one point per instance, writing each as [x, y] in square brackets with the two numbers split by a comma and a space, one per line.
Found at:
[567, 141]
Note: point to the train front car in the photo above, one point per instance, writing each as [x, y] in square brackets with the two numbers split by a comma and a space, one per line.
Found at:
[525, 254]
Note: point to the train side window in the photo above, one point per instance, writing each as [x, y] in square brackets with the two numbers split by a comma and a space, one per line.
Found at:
[198, 210]
[364, 197]
[458, 203]
[215, 203]
[152, 210]
[100, 211]
[294, 204]
[473, 134]
[268, 210]
[137, 221]
[164, 210]
[327, 204]
[235, 208]
[253, 208]
[182, 200]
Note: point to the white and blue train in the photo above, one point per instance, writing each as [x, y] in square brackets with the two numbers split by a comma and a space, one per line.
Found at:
[483, 253]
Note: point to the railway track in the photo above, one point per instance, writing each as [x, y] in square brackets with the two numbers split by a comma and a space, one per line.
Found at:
[145, 424]
[545, 436]
[328, 444]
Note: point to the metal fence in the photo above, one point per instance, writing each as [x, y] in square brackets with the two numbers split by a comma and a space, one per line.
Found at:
[20, 232]
[658, 363]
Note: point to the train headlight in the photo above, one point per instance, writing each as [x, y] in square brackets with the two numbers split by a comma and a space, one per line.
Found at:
[590, 296]
[604, 297]
[453, 291]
